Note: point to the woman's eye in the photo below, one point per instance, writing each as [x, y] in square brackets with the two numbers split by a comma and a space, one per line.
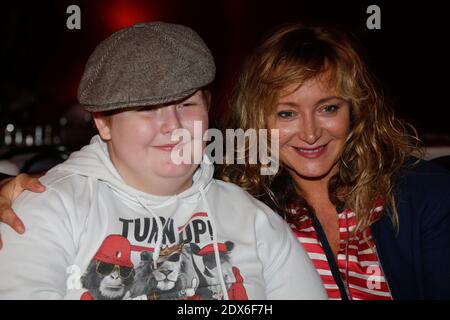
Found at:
[285, 114]
[330, 109]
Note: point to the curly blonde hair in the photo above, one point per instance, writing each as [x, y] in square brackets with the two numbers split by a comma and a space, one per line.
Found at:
[378, 146]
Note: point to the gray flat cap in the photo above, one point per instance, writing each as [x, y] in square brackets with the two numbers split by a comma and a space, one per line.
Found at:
[146, 64]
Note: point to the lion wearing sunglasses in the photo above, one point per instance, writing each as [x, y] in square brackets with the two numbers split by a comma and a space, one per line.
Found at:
[175, 275]
[110, 273]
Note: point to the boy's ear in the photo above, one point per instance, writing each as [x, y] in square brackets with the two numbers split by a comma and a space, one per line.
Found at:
[102, 123]
[207, 97]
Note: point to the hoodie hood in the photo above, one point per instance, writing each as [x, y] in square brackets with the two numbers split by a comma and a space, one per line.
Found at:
[93, 161]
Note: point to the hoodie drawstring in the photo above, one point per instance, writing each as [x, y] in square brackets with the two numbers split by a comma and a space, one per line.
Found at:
[159, 235]
[159, 239]
[215, 244]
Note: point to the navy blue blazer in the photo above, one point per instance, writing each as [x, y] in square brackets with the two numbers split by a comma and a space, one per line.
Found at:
[416, 259]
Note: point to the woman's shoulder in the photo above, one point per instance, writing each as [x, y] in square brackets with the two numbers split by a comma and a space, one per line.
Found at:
[423, 175]
[423, 187]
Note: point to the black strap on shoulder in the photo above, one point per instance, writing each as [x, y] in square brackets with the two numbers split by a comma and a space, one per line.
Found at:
[330, 257]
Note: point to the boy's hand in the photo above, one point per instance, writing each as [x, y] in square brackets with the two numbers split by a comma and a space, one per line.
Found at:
[10, 189]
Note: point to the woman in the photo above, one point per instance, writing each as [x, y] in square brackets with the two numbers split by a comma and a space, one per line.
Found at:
[374, 220]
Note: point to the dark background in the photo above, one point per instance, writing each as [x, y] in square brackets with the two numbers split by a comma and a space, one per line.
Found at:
[41, 61]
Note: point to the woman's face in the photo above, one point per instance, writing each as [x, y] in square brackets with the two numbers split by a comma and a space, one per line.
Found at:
[314, 123]
[140, 142]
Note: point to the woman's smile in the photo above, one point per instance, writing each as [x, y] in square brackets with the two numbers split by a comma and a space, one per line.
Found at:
[311, 153]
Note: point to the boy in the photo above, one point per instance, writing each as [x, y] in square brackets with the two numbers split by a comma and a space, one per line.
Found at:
[120, 220]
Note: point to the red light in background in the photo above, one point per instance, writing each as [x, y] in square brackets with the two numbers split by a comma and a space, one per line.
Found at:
[120, 14]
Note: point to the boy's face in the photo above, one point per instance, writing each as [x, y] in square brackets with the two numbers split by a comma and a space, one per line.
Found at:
[140, 145]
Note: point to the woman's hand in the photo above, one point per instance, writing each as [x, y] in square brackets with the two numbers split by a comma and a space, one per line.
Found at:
[10, 189]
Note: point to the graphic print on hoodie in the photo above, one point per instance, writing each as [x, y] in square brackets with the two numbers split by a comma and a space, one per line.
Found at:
[184, 270]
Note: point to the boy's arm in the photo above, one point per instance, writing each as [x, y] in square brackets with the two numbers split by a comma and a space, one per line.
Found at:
[10, 189]
[289, 272]
[34, 265]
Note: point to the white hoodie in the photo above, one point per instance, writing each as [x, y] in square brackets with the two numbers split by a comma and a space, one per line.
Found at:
[91, 236]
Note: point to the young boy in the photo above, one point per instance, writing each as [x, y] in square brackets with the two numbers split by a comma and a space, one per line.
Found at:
[121, 220]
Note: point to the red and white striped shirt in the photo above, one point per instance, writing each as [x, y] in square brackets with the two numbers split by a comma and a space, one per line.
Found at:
[357, 261]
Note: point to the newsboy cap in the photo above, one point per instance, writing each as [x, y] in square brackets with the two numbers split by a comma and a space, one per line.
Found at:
[147, 64]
